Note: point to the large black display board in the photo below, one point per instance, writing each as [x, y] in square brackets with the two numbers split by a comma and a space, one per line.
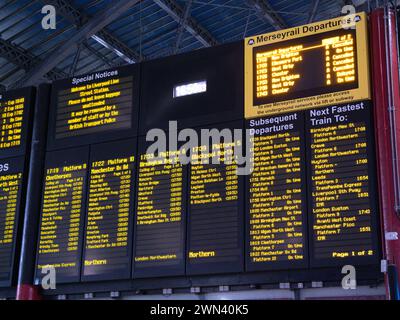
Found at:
[62, 214]
[11, 183]
[109, 218]
[160, 215]
[111, 210]
[95, 107]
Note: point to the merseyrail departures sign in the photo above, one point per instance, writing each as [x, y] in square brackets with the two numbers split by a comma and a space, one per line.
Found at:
[318, 64]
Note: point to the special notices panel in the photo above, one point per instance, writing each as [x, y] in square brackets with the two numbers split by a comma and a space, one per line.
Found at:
[276, 234]
[62, 214]
[11, 172]
[342, 196]
[109, 219]
[160, 213]
[215, 210]
[93, 108]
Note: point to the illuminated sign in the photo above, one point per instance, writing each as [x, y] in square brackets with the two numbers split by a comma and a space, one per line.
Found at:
[108, 232]
[314, 65]
[190, 88]
[215, 236]
[160, 215]
[12, 115]
[342, 195]
[94, 108]
[311, 197]
[276, 226]
[61, 216]
[10, 198]
[15, 111]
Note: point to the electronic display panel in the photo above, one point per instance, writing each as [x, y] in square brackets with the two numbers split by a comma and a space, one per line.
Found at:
[11, 177]
[342, 195]
[107, 249]
[276, 226]
[216, 205]
[314, 65]
[16, 108]
[95, 107]
[195, 89]
[160, 213]
[62, 214]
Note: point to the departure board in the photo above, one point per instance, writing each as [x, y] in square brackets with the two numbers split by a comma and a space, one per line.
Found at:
[11, 171]
[94, 108]
[308, 66]
[160, 214]
[109, 220]
[276, 194]
[15, 114]
[215, 213]
[342, 200]
[62, 212]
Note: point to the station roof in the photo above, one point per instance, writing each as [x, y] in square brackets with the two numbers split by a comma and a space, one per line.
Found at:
[93, 35]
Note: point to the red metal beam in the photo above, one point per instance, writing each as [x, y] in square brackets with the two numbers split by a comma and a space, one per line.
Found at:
[384, 68]
[28, 292]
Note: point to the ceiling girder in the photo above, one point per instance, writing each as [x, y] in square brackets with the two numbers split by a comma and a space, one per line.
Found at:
[25, 60]
[176, 12]
[266, 12]
[87, 30]
[104, 37]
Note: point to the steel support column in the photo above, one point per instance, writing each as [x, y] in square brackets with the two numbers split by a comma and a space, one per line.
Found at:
[385, 82]
[26, 290]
